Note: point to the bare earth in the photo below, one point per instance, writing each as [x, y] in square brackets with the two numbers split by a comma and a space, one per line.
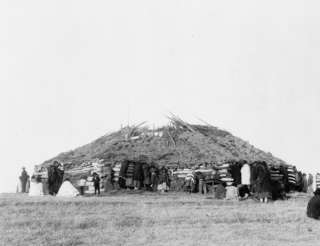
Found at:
[154, 219]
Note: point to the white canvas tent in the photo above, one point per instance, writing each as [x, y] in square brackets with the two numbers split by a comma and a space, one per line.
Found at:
[67, 190]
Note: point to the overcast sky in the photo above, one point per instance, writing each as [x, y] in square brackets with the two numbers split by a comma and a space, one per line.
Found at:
[71, 71]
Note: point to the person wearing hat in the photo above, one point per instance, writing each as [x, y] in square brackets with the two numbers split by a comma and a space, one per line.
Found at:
[24, 177]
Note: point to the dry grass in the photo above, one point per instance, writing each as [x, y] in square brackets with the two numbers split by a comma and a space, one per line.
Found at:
[181, 144]
[153, 219]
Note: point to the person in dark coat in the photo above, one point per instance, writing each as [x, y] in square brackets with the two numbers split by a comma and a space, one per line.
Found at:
[154, 178]
[261, 181]
[278, 190]
[137, 175]
[55, 177]
[235, 171]
[277, 182]
[310, 183]
[122, 174]
[304, 183]
[24, 177]
[313, 209]
[146, 176]
[299, 179]
[96, 183]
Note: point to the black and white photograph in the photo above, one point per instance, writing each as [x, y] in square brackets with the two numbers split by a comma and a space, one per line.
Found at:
[172, 122]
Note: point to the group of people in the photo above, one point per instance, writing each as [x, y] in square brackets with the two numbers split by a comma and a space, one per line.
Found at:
[257, 179]
[44, 183]
[29, 185]
[135, 175]
[95, 180]
[240, 180]
[233, 180]
[227, 181]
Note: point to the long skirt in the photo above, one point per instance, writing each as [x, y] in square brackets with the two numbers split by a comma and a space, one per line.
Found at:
[19, 187]
[45, 187]
[35, 189]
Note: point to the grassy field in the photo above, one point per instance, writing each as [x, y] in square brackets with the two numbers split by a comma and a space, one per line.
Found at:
[154, 219]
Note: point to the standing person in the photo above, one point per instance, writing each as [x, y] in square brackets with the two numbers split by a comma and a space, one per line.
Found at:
[310, 183]
[137, 175]
[146, 176]
[189, 182]
[235, 171]
[299, 184]
[202, 184]
[244, 188]
[154, 178]
[261, 181]
[36, 186]
[163, 184]
[96, 183]
[55, 177]
[246, 175]
[24, 177]
[82, 184]
[304, 183]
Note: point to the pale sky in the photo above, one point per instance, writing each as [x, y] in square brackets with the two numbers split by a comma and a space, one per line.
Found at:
[71, 71]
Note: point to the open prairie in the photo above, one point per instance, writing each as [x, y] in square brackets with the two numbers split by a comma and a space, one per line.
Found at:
[154, 219]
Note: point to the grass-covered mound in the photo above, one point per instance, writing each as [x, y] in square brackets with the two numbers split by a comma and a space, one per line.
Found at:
[177, 144]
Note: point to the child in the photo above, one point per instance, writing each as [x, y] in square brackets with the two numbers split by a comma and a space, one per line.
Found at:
[96, 183]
